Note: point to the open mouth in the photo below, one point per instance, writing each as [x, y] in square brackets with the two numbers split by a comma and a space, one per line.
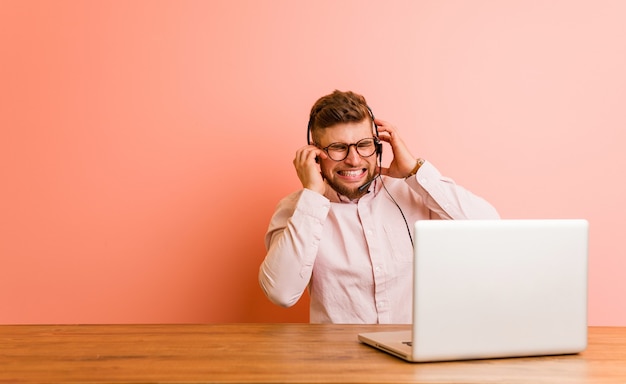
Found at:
[352, 173]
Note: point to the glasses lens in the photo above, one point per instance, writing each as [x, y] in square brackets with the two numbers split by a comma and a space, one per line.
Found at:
[366, 147]
[337, 151]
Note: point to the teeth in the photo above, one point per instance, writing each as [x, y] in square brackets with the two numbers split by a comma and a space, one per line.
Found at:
[351, 173]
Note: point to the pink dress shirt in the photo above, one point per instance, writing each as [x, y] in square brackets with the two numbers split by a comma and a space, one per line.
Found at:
[355, 257]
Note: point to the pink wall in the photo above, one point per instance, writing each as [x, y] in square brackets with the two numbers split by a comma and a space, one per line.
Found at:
[144, 144]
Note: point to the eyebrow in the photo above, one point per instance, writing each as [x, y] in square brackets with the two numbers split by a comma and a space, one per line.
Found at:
[343, 143]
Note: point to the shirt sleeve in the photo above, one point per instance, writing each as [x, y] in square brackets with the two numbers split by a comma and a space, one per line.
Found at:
[292, 241]
[447, 200]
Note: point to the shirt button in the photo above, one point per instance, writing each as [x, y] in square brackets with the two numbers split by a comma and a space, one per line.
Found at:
[369, 232]
[423, 180]
[377, 269]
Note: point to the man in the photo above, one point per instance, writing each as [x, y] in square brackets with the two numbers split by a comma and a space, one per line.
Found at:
[346, 236]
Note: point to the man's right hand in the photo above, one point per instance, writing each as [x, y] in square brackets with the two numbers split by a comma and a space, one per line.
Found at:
[307, 168]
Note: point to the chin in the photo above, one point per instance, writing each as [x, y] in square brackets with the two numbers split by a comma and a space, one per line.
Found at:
[351, 192]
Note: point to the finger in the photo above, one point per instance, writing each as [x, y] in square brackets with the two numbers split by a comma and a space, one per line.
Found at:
[384, 126]
[306, 153]
[300, 155]
[387, 133]
[381, 123]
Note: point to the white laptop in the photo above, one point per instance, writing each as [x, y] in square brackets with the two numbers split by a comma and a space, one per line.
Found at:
[494, 288]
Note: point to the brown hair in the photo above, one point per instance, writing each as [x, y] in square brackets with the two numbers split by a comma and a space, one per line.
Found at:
[338, 107]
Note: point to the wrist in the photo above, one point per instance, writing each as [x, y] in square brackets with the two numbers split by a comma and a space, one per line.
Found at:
[418, 164]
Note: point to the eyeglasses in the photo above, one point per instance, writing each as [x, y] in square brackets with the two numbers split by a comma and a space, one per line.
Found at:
[339, 151]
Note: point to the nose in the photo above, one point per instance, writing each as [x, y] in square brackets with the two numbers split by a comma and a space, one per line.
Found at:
[353, 156]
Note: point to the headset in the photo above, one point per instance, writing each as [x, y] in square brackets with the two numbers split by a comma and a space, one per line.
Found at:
[379, 151]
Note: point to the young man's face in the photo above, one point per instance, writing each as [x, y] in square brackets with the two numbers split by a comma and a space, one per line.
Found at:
[347, 175]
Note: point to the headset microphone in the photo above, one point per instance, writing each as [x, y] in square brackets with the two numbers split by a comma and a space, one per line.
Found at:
[366, 185]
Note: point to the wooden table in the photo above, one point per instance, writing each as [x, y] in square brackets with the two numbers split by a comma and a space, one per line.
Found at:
[261, 353]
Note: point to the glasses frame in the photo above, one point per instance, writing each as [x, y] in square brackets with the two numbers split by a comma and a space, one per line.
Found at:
[356, 148]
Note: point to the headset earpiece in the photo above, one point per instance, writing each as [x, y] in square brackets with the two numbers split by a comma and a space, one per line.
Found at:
[308, 133]
[378, 143]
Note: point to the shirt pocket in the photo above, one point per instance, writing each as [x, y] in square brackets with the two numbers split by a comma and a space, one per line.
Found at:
[399, 243]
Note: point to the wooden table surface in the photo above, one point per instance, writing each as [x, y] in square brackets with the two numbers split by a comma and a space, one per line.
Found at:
[262, 353]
